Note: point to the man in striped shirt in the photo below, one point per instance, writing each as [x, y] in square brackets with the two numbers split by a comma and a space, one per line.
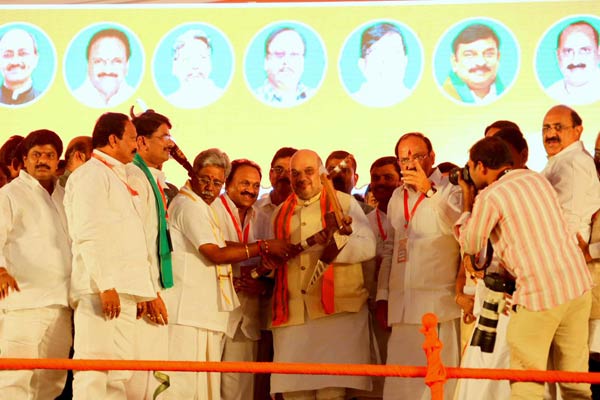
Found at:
[518, 210]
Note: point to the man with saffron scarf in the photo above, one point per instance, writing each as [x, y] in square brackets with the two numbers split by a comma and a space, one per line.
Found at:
[319, 299]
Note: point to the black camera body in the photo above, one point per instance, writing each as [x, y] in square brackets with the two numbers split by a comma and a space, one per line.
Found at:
[462, 172]
[484, 335]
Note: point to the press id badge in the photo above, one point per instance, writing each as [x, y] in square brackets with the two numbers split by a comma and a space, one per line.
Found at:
[402, 250]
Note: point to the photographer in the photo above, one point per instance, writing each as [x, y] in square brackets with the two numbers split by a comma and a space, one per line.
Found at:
[476, 352]
[518, 211]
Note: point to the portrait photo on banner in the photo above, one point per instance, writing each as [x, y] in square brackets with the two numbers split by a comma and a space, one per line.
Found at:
[381, 63]
[104, 65]
[567, 60]
[27, 64]
[193, 65]
[285, 64]
[476, 61]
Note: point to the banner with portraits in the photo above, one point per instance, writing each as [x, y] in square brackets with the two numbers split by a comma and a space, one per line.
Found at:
[251, 78]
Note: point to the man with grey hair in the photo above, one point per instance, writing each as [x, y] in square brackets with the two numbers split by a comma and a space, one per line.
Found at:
[192, 66]
[203, 295]
[18, 59]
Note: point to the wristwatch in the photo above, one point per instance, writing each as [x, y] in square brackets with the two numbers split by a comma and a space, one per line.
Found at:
[430, 192]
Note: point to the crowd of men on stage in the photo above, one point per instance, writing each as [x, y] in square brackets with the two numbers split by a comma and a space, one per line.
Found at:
[101, 255]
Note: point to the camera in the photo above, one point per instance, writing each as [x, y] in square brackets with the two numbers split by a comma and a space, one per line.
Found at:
[462, 172]
[484, 335]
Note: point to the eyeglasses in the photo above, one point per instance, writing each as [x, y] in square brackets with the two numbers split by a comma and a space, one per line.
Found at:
[558, 128]
[417, 158]
[205, 181]
[279, 170]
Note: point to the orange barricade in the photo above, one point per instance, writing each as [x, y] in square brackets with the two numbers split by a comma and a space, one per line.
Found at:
[435, 373]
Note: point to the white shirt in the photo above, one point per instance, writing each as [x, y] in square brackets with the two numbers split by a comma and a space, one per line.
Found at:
[249, 312]
[109, 243]
[88, 95]
[146, 208]
[34, 243]
[572, 173]
[375, 96]
[264, 212]
[380, 225]
[585, 94]
[425, 282]
[194, 298]
[195, 96]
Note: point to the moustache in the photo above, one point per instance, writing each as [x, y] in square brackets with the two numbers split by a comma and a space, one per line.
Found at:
[245, 193]
[107, 74]
[40, 166]
[207, 194]
[14, 66]
[573, 66]
[482, 68]
[284, 180]
[554, 139]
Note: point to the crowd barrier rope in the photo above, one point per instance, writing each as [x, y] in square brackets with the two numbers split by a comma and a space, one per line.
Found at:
[435, 373]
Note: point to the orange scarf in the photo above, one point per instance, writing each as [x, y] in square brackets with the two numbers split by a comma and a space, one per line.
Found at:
[282, 225]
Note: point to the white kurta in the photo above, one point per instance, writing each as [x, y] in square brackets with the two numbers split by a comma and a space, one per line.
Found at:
[36, 250]
[573, 175]
[421, 280]
[197, 308]
[109, 243]
[152, 340]
[243, 346]
[109, 252]
[34, 244]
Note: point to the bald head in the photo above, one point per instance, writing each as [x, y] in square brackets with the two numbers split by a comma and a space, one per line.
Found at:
[306, 166]
[78, 151]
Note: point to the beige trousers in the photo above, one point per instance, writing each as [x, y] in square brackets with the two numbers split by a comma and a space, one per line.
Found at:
[532, 335]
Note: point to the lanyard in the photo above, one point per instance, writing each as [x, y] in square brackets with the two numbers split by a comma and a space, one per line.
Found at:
[382, 231]
[407, 215]
[241, 239]
[131, 190]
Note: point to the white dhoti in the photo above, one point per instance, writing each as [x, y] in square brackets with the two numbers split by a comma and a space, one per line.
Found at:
[34, 333]
[474, 358]
[187, 343]
[340, 338]
[405, 348]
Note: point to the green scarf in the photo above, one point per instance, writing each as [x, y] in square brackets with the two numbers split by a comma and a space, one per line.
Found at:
[164, 239]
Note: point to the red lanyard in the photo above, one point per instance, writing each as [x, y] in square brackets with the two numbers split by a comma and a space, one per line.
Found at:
[382, 232]
[131, 190]
[235, 223]
[408, 216]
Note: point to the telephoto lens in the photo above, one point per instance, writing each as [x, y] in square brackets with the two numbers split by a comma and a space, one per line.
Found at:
[484, 335]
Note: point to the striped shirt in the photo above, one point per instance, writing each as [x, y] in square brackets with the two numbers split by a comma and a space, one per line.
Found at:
[521, 215]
